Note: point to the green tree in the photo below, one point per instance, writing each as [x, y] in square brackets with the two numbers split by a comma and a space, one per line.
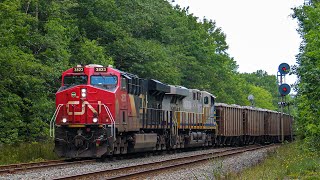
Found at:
[89, 52]
[308, 72]
[267, 82]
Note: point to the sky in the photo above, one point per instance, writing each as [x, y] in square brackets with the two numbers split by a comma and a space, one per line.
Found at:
[260, 33]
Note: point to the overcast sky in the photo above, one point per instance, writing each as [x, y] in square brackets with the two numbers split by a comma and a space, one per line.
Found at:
[260, 33]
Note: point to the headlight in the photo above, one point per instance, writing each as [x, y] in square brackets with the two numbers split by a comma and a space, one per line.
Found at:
[83, 93]
[64, 120]
[95, 120]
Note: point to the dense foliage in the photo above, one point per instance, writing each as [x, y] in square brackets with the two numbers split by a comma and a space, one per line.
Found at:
[41, 38]
[308, 72]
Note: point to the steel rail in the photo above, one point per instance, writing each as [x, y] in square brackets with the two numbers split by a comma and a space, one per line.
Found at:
[12, 168]
[144, 169]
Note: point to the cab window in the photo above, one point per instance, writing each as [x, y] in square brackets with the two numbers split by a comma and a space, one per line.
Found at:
[72, 80]
[212, 101]
[104, 81]
[123, 83]
[206, 100]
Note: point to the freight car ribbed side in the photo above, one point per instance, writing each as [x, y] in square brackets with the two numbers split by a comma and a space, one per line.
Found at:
[229, 120]
[254, 121]
[272, 123]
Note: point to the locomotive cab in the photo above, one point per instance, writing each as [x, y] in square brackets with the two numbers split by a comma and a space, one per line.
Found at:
[83, 94]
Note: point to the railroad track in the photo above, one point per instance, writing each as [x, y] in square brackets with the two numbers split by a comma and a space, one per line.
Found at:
[149, 169]
[12, 168]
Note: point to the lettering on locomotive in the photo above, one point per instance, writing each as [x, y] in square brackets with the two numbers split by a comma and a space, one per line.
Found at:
[78, 69]
[100, 69]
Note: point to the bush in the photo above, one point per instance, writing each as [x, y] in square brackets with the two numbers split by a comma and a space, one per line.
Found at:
[26, 152]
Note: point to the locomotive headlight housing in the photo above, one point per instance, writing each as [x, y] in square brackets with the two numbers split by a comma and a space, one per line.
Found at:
[95, 120]
[64, 120]
[83, 93]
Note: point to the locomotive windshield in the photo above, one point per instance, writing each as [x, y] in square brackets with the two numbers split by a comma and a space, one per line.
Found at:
[104, 81]
[69, 81]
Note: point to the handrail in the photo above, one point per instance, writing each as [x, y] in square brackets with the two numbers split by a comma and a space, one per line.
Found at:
[176, 124]
[113, 129]
[54, 117]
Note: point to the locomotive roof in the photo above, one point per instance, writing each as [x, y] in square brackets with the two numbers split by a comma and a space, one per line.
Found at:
[158, 86]
[178, 90]
[209, 94]
[155, 84]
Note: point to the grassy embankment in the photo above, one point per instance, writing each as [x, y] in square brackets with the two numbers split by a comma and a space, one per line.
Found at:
[291, 161]
[26, 152]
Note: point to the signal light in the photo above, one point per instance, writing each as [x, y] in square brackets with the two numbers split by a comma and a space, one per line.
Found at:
[284, 68]
[284, 89]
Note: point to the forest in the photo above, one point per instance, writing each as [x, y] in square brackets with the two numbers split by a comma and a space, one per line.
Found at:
[39, 39]
[308, 71]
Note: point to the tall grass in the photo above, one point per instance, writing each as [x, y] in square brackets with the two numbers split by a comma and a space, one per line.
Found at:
[26, 152]
[291, 161]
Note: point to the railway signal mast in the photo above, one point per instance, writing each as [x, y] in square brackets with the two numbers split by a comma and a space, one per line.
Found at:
[284, 89]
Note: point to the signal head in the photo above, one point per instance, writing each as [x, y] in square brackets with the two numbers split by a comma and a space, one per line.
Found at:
[284, 68]
[284, 89]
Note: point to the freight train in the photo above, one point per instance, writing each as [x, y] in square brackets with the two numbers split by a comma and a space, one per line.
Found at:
[102, 111]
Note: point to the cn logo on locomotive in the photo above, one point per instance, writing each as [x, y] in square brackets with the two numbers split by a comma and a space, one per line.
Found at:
[83, 109]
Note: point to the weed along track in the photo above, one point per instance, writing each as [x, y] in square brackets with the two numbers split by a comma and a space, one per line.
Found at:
[155, 168]
[13, 168]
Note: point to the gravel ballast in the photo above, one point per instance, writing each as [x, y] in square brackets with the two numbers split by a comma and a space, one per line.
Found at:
[204, 171]
[219, 167]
